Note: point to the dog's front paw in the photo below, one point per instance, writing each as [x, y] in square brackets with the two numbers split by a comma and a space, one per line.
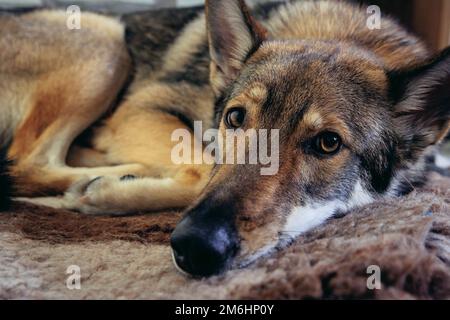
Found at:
[102, 195]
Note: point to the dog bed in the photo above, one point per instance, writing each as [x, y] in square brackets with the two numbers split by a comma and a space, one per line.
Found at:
[408, 239]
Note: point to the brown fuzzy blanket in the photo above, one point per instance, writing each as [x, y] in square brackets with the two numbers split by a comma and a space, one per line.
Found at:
[129, 257]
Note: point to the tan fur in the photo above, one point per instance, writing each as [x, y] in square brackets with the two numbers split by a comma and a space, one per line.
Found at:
[318, 20]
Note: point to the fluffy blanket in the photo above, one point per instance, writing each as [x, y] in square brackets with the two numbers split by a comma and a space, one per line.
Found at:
[129, 257]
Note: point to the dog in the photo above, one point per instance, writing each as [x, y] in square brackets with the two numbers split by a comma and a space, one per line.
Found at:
[87, 117]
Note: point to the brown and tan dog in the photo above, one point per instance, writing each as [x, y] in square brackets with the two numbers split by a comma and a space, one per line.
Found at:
[88, 116]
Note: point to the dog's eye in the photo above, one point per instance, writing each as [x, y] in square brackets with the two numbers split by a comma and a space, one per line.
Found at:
[327, 143]
[235, 118]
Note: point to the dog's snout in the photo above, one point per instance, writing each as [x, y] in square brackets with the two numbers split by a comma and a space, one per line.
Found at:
[202, 250]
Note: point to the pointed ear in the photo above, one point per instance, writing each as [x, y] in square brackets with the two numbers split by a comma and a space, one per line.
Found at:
[423, 102]
[233, 36]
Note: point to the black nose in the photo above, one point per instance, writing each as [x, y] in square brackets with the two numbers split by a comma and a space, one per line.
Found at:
[201, 249]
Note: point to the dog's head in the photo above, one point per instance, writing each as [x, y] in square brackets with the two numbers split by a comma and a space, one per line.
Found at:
[349, 131]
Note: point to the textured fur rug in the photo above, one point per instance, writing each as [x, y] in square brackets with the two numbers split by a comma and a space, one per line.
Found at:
[129, 257]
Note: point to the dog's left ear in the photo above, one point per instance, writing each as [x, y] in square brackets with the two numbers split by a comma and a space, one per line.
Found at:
[422, 111]
[233, 36]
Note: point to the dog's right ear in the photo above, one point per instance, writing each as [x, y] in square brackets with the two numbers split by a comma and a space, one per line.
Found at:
[422, 112]
[233, 36]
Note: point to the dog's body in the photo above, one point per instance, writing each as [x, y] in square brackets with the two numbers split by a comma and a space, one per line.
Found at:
[42, 89]
[312, 68]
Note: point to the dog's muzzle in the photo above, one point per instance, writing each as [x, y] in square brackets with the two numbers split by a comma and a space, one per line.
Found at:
[203, 245]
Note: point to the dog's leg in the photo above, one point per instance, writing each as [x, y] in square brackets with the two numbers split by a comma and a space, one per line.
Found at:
[113, 195]
[138, 133]
[65, 103]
